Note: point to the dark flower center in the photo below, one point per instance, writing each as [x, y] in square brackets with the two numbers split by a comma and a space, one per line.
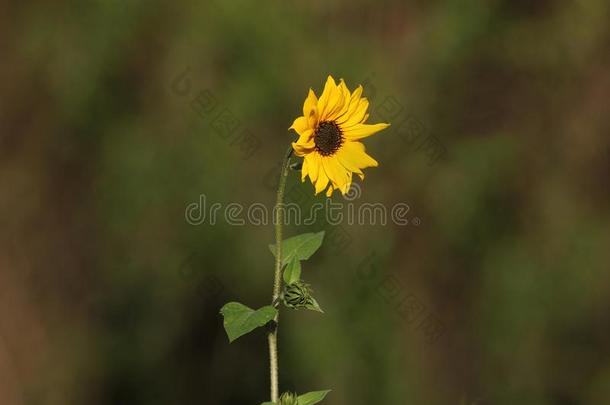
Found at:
[328, 138]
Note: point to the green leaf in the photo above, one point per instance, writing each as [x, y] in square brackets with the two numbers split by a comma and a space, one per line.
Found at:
[292, 272]
[300, 247]
[313, 306]
[312, 397]
[239, 319]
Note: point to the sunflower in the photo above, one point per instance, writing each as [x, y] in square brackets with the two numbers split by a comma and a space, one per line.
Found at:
[330, 131]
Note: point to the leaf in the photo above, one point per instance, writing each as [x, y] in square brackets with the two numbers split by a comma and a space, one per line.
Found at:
[292, 272]
[314, 306]
[239, 319]
[300, 247]
[312, 397]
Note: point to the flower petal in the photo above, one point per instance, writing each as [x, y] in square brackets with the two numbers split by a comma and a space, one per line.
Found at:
[322, 181]
[300, 125]
[345, 158]
[347, 185]
[357, 114]
[335, 171]
[311, 102]
[360, 131]
[353, 104]
[342, 100]
[313, 165]
[328, 99]
[306, 138]
[301, 149]
[304, 169]
[354, 153]
[346, 98]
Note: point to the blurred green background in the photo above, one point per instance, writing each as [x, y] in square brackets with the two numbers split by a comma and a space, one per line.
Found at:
[497, 292]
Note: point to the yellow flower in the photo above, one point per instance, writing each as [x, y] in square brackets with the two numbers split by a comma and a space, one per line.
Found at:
[330, 131]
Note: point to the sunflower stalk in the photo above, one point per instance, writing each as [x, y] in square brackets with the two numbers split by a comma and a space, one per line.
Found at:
[277, 280]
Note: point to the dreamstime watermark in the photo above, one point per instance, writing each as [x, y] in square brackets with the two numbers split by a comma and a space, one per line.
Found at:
[208, 286]
[406, 304]
[410, 129]
[334, 213]
[225, 124]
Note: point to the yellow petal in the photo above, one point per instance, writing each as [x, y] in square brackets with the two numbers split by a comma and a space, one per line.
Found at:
[313, 165]
[313, 118]
[329, 192]
[300, 125]
[347, 185]
[354, 153]
[301, 150]
[360, 131]
[322, 181]
[356, 116]
[346, 160]
[346, 98]
[335, 171]
[354, 101]
[306, 139]
[341, 100]
[304, 169]
[310, 109]
[310, 103]
[328, 99]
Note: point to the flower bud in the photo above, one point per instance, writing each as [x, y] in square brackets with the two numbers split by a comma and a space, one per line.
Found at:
[288, 398]
[297, 295]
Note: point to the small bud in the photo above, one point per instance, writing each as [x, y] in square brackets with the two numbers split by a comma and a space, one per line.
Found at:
[297, 295]
[288, 398]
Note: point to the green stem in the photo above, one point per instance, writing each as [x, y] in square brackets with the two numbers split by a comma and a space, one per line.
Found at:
[277, 281]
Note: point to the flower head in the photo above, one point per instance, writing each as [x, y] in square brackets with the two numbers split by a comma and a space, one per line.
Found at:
[330, 131]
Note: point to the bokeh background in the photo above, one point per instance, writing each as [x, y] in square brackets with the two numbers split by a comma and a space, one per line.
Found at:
[497, 292]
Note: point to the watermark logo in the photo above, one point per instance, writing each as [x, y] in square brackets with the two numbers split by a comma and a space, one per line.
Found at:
[203, 211]
[354, 192]
[407, 305]
[223, 122]
[411, 130]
